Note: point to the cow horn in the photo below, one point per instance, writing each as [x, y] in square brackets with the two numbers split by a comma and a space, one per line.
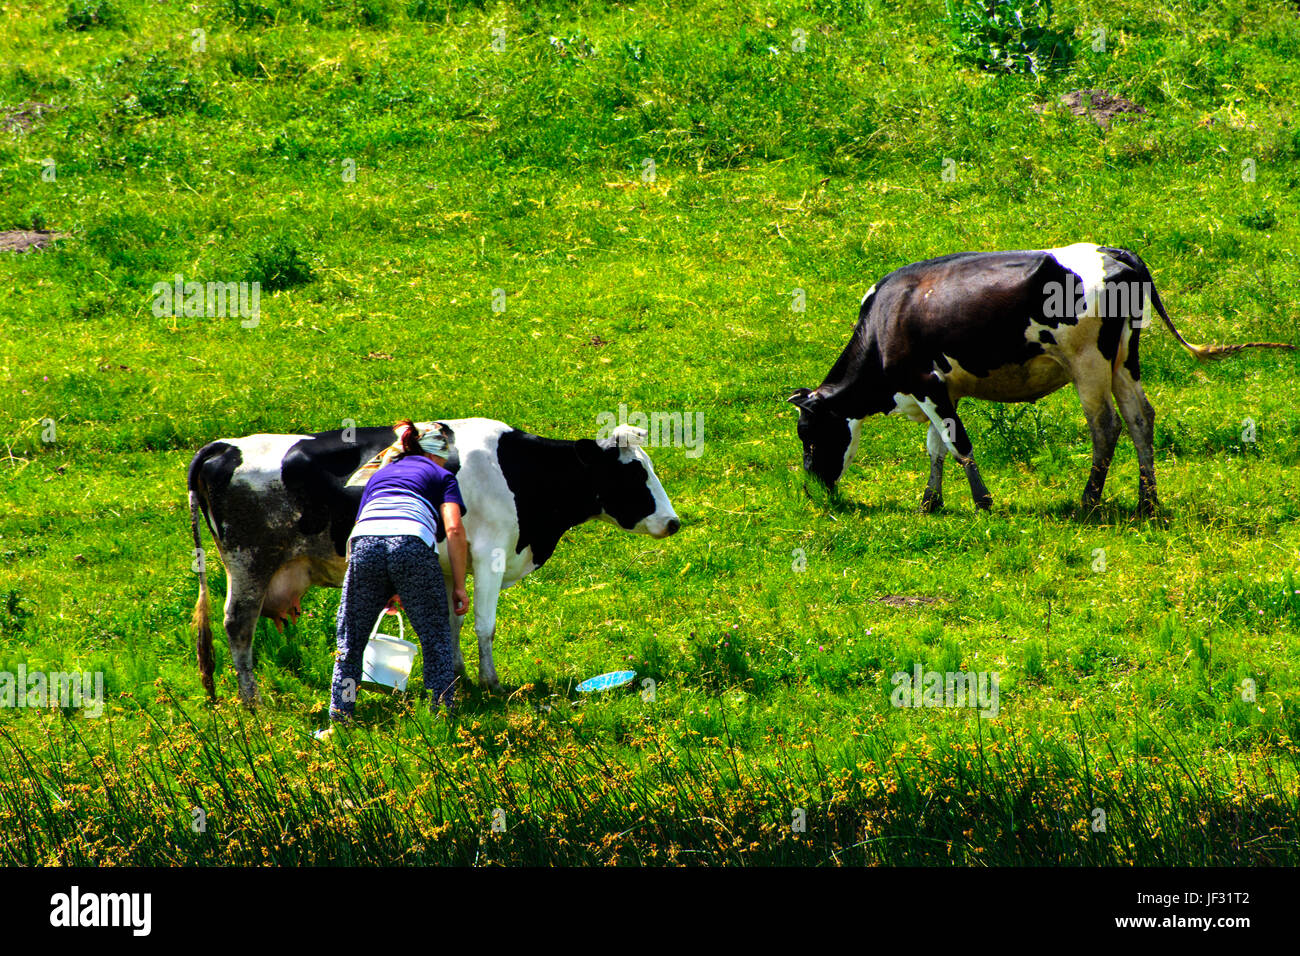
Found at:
[803, 398]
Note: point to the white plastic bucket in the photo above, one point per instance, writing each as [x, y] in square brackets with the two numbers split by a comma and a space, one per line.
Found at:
[388, 658]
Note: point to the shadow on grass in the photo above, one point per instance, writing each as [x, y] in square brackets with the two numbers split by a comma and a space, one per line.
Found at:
[1110, 512]
[376, 707]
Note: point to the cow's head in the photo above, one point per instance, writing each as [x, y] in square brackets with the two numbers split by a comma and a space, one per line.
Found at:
[629, 493]
[829, 439]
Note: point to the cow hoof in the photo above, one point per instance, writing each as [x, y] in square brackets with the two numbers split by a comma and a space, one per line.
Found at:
[984, 504]
[931, 503]
[1148, 508]
[252, 700]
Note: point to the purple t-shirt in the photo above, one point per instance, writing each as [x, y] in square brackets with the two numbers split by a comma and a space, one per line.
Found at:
[414, 475]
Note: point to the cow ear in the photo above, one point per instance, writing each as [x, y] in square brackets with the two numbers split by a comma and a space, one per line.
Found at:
[625, 436]
[589, 452]
[804, 398]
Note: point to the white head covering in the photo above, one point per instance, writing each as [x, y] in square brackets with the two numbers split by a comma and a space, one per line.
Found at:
[434, 442]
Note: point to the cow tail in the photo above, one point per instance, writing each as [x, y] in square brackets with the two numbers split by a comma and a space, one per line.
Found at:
[1200, 352]
[202, 621]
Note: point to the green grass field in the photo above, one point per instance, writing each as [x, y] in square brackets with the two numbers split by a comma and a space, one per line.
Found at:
[381, 169]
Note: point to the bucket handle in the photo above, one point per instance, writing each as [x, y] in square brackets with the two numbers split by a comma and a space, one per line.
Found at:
[401, 627]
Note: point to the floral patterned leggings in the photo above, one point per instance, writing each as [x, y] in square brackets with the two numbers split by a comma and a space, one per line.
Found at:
[379, 567]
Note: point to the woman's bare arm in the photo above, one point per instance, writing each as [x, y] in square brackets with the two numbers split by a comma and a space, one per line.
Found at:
[458, 553]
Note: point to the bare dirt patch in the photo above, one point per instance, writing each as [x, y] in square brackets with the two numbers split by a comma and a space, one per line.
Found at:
[24, 118]
[20, 240]
[906, 600]
[1097, 105]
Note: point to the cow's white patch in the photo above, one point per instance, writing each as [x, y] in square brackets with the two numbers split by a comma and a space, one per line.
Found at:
[1044, 335]
[934, 443]
[261, 456]
[1085, 260]
[910, 407]
[855, 434]
[870, 293]
[925, 410]
[628, 437]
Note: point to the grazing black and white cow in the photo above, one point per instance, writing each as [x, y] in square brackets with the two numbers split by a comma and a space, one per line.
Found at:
[281, 510]
[1000, 326]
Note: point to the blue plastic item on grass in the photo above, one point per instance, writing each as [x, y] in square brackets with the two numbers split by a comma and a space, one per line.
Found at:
[606, 681]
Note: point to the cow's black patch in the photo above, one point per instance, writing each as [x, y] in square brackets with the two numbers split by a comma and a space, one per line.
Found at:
[1122, 299]
[553, 489]
[622, 486]
[314, 472]
[1131, 361]
[560, 484]
[209, 478]
[1129, 267]
[1108, 338]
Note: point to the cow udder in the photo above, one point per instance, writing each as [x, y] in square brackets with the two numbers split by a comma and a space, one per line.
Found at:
[284, 594]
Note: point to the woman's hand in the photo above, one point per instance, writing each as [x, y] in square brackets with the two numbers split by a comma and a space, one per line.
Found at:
[460, 600]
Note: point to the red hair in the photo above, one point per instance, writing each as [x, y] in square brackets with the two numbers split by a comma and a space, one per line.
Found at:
[410, 437]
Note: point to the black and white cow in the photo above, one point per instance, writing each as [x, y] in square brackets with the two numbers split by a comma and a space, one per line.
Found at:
[1000, 326]
[281, 510]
